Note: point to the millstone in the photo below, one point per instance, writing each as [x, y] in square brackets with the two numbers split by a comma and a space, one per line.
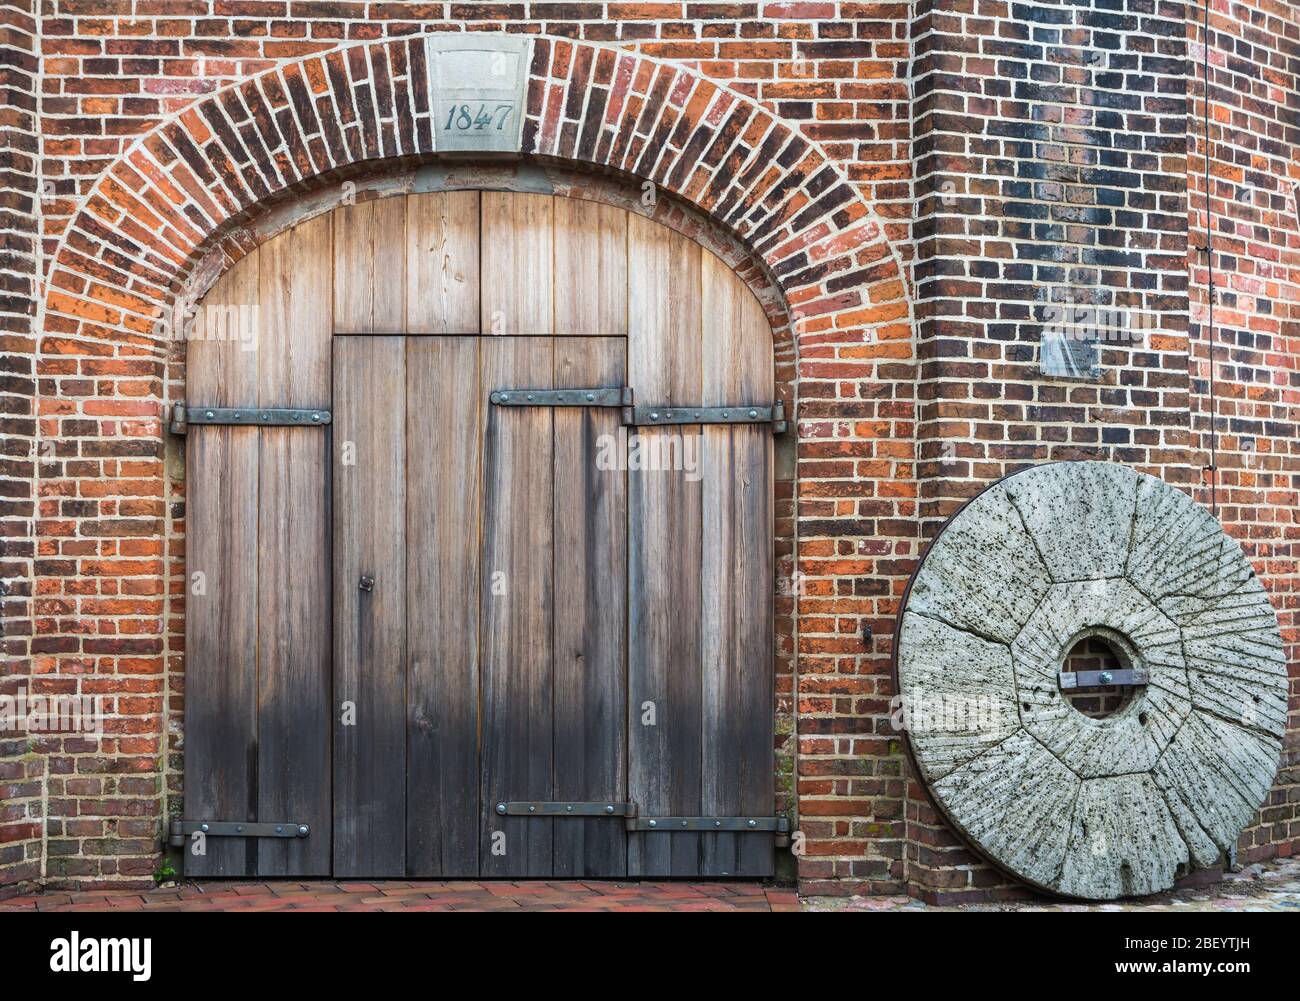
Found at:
[1092, 807]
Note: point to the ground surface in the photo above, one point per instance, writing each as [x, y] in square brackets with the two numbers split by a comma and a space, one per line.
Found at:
[1267, 886]
[1270, 886]
[426, 895]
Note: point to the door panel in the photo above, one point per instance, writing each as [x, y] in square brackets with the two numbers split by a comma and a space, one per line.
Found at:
[444, 445]
[257, 617]
[517, 667]
[370, 623]
[590, 590]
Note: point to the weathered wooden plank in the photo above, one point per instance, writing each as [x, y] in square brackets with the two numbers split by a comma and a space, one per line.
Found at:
[590, 594]
[444, 444]
[221, 562]
[221, 363]
[221, 640]
[369, 475]
[442, 262]
[664, 540]
[736, 576]
[516, 660]
[370, 267]
[590, 268]
[294, 573]
[517, 263]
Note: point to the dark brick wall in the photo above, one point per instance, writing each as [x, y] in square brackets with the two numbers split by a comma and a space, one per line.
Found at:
[20, 770]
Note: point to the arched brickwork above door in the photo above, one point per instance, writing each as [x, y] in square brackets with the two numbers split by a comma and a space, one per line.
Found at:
[184, 186]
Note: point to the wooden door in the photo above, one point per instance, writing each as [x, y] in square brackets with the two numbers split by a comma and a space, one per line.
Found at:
[257, 679]
[496, 614]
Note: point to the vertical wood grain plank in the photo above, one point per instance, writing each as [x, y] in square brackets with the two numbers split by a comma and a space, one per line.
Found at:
[590, 268]
[221, 604]
[442, 262]
[590, 588]
[444, 444]
[294, 574]
[369, 474]
[664, 550]
[370, 267]
[516, 664]
[517, 264]
[736, 577]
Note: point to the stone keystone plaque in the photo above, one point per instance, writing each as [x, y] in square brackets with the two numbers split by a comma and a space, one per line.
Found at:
[477, 84]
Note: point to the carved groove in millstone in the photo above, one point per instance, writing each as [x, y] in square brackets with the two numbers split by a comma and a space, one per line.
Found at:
[1094, 808]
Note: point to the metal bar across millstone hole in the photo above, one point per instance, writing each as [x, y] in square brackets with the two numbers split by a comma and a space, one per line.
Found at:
[1096, 679]
[184, 415]
[182, 829]
[735, 824]
[608, 396]
[651, 416]
[554, 809]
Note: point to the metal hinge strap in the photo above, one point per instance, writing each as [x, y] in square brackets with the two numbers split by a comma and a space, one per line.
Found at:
[743, 414]
[561, 809]
[1093, 679]
[182, 829]
[609, 396]
[739, 825]
[184, 415]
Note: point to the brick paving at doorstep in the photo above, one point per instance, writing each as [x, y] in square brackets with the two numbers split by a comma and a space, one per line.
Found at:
[1264, 886]
[422, 895]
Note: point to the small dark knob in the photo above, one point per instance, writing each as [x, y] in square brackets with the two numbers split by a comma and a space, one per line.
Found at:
[367, 583]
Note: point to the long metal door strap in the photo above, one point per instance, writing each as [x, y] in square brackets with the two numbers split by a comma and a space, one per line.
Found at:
[635, 416]
[181, 829]
[779, 826]
[607, 396]
[563, 809]
[743, 414]
[183, 415]
[734, 825]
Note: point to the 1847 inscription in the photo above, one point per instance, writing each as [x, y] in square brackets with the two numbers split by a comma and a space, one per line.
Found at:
[477, 91]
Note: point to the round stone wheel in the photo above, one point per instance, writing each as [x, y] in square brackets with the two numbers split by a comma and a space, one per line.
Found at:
[1096, 808]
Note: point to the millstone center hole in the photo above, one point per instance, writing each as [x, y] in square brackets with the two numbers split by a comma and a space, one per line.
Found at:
[1096, 653]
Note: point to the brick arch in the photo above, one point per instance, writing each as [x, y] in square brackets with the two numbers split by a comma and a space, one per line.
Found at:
[182, 188]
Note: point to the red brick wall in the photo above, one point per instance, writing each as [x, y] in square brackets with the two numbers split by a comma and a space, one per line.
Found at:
[1247, 419]
[850, 78]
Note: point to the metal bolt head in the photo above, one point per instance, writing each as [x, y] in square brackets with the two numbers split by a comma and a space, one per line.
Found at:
[591, 397]
[203, 827]
[302, 829]
[654, 416]
[316, 418]
[751, 823]
[501, 808]
[1106, 677]
[569, 808]
[609, 809]
[209, 414]
[654, 823]
[279, 828]
[753, 415]
[532, 809]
